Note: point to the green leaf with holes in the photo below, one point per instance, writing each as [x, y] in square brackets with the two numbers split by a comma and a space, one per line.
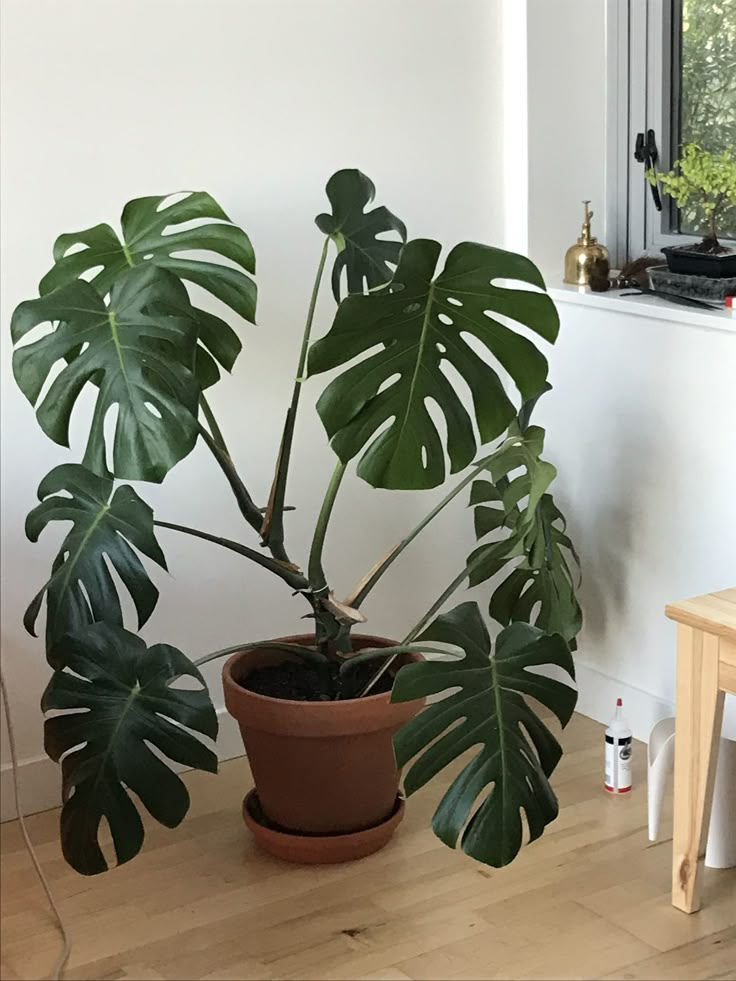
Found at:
[119, 706]
[378, 406]
[368, 261]
[515, 753]
[106, 528]
[541, 571]
[151, 232]
[541, 587]
[138, 350]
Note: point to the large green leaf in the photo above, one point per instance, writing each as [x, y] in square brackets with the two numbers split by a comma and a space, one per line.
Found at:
[540, 588]
[368, 260]
[81, 589]
[519, 479]
[420, 323]
[149, 235]
[516, 751]
[119, 705]
[139, 349]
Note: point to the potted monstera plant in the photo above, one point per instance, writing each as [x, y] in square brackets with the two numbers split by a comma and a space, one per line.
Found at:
[329, 717]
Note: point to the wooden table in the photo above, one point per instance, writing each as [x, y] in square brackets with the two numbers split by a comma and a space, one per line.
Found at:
[706, 670]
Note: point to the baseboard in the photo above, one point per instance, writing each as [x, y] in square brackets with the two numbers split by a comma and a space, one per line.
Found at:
[597, 694]
[39, 783]
[39, 778]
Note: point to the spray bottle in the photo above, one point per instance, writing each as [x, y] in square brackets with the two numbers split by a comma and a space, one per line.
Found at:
[618, 754]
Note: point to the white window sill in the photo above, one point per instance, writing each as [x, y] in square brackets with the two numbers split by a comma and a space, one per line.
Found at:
[644, 306]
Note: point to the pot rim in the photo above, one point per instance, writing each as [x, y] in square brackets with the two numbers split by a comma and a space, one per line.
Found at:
[230, 682]
[689, 250]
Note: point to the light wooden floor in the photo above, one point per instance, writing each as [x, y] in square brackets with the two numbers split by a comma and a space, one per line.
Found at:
[589, 900]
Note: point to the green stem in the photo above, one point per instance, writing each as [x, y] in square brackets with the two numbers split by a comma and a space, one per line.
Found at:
[246, 504]
[273, 521]
[316, 574]
[294, 579]
[419, 627]
[438, 604]
[212, 423]
[308, 653]
[349, 663]
[371, 578]
[308, 325]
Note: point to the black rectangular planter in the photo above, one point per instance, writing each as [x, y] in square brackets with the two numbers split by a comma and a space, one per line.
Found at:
[681, 260]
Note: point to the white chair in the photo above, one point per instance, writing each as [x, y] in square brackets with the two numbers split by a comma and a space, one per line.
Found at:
[721, 850]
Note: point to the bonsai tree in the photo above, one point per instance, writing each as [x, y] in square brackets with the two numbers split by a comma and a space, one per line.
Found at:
[124, 327]
[707, 182]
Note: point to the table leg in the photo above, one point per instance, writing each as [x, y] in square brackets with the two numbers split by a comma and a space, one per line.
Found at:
[698, 716]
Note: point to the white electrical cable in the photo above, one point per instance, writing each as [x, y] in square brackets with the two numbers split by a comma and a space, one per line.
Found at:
[21, 820]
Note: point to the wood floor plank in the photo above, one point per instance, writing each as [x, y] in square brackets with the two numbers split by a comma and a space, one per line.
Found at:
[588, 900]
[698, 960]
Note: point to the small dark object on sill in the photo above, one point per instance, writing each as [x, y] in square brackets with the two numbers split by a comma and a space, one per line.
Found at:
[301, 682]
[634, 273]
[684, 301]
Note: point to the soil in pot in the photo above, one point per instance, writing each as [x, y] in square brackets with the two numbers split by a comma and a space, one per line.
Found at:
[299, 681]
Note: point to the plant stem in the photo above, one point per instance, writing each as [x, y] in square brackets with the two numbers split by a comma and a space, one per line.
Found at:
[246, 504]
[366, 584]
[438, 604]
[212, 423]
[417, 629]
[715, 215]
[294, 578]
[349, 663]
[308, 653]
[316, 574]
[272, 529]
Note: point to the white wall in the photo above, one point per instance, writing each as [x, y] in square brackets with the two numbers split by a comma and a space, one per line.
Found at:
[643, 416]
[257, 101]
[567, 125]
[642, 427]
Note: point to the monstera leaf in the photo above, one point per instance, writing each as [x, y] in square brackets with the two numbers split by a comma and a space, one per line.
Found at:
[150, 236]
[517, 753]
[139, 350]
[541, 588]
[367, 259]
[118, 705]
[104, 529]
[419, 324]
[519, 479]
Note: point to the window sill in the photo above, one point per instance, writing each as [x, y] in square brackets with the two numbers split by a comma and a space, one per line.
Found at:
[644, 306]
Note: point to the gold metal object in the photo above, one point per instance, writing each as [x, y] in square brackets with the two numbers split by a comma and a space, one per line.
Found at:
[587, 259]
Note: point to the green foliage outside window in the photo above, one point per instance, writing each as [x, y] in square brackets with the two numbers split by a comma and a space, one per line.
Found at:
[708, 96]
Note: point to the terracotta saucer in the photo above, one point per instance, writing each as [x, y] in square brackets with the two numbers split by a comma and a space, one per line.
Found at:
[318, 849]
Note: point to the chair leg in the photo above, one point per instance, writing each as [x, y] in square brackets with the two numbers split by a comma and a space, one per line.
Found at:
[699, 712]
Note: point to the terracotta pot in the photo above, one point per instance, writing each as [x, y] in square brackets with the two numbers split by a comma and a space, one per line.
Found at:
[319, 849]
[320, 768]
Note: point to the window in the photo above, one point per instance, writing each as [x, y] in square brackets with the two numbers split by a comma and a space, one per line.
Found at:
[673, 72]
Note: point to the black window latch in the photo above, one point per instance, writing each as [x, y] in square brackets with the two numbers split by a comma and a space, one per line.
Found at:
[646, 153]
